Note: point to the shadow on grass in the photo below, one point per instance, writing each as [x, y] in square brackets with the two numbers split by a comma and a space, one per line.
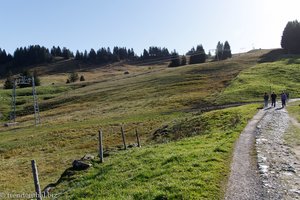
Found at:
[272, 56]
[279, 54]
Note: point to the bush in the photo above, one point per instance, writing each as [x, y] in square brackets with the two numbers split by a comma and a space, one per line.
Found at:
[8, 84]
[82, 78]
[73, 77]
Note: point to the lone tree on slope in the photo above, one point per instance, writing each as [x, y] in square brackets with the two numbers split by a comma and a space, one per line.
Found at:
[226, 51]
[290, 40]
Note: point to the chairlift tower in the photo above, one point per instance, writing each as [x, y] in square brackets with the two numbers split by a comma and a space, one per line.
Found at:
[23, 80]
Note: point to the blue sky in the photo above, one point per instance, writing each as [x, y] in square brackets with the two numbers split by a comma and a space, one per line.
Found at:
[138, 24]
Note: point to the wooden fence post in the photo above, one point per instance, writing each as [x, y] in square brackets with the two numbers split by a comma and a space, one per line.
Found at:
[123, 137]
[36, 180]
[137, 138]
[100, 146]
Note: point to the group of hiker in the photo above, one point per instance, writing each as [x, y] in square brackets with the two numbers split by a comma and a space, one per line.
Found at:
[284, 97]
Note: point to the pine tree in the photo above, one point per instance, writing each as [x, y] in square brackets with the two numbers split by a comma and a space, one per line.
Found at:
[219, 51]
[53, 51]
[3, 56]
[145, 54]
[85, 56]
[226, 51]
[183, 60]
[209, 56]
[66, 53]
[191, 52]
[175, 62]
[92, 55]
[8, 84]
[78, 55]
[290, 40]
[198, 56]
[116, 55]
[58, 51]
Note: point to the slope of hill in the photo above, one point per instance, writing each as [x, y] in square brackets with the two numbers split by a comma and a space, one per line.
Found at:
[147, 98]
[252, 83]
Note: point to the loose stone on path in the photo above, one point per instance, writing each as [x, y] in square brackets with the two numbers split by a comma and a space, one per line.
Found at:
[278, 165]
[274, 172]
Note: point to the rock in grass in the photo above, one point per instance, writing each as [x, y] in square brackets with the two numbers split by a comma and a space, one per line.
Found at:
[80, 165]
[132, 145]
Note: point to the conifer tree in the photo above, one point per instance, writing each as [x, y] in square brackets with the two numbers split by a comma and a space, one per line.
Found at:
[290, 40]
[183, 60]
[78, 55]
[219, 51]
[8, 84]
[226, 51]
[92, 55]
[145, 54]
[198, 56]
[175, 62]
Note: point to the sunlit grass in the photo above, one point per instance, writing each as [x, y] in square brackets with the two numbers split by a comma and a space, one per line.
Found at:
[193, 168]
[293, 135]
[251, 84]
[148, 98]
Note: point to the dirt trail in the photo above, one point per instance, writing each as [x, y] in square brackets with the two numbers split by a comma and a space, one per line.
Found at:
[244, 181]
[268, 169]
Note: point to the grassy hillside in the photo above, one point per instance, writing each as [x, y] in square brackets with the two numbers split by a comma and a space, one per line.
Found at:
[252, 83]
[293, 137]
[192, 168]
[148, 98]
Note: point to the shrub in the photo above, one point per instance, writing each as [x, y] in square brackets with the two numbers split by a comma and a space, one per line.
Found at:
[82, 78]
[73, 77]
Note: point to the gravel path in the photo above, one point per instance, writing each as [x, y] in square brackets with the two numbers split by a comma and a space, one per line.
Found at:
[244, 182]
[278, 165]
[274, 172]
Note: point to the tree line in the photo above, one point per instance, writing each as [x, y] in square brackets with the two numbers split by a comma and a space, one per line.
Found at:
[31, 55]
[105, 55]
[198, 55]
[36, 54]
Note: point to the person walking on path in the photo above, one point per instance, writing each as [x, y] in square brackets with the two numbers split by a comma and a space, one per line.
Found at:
[273, 99]
[266, 99]
[283, 99]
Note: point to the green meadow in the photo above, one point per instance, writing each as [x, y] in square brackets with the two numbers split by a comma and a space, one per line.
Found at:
[186, 148]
